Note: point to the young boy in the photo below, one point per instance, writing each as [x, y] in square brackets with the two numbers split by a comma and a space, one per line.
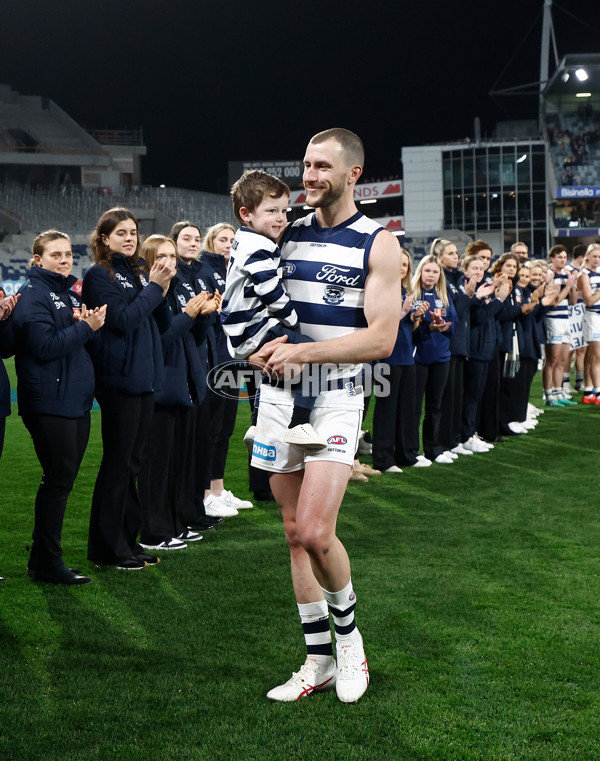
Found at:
[256, 308]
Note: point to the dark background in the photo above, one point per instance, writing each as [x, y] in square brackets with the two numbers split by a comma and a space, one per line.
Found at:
[211, 82]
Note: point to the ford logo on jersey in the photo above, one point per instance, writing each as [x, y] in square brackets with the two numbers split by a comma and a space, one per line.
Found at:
[263, 452]
[337, 441]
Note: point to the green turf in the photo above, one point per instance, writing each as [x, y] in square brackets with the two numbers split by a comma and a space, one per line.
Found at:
[478, 587]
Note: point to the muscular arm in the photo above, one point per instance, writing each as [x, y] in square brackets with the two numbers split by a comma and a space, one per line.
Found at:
[382, 308]
[589, 298]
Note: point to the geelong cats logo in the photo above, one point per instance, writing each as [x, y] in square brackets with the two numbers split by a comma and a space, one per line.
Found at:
[334, 294]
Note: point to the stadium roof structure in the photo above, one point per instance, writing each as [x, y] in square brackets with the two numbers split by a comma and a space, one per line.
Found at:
[576, 77]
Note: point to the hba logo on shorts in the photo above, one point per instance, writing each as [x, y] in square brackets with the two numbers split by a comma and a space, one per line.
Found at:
[263, 452]
[337, 440]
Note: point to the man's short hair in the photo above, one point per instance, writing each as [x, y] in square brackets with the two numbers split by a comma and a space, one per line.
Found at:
[555, 250]
[252, 187]
[351, 143]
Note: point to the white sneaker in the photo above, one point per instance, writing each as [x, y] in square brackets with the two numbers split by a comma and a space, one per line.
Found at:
[230, 500]
[487, 444]
[475, 445]
[249, 437]
[305, 436]
[451, 455]
[517, 428]
[353, 671]
[189, 535]
[568, 389]
[213, 506]
[443, 459]
[533, 411]
[169, 544]
[459, 449]
[393, 469]
[313, 676]
[422, 462]
[529, 424]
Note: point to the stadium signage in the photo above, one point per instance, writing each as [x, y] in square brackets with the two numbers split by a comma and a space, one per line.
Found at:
[589, 191]
[370, 191]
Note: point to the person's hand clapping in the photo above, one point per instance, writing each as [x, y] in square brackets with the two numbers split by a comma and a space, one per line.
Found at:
[162, 272]
[7, 304]
[194, 306]
[438, 324]
[94, 318]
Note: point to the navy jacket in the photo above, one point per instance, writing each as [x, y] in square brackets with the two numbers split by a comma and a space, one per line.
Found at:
[533, 328]
[55, 375]
[510, 318]
[211, 270]
[482, 343]
[459, 340]
[404, 349]
[185, 374]
[128, 357]
[433, 346]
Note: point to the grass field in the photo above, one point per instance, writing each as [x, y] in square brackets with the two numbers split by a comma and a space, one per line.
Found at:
[478, 597]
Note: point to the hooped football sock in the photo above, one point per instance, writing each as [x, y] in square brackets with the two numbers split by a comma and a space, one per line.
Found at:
[314, 617]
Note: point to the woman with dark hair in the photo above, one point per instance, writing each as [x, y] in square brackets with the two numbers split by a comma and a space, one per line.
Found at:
[195, 279]
[512, 375]
[486, 304]
[55, 391]
[128, 365]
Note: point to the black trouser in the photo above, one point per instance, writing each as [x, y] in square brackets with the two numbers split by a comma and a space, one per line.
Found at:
[222, 415]
[530, 369]
[488, 424]
[474, 383]
[395, 423]
[202, 454]
[452, 402]
[514, 393]
[115, 520]
[431, 382]
[2, 430]
[156, 484]
[59, 444]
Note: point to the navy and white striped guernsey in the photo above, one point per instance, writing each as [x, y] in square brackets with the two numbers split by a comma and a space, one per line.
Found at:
[562, 308]
[325, 269]
[254, 300]
[594, 278]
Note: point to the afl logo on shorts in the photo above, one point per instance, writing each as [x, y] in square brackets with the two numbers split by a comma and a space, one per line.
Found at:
[289, 268]
[334, 294]
[337, 441]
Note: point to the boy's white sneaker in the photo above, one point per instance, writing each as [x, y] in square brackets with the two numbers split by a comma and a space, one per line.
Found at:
[305, 436]
[313, 676]
[249, 437]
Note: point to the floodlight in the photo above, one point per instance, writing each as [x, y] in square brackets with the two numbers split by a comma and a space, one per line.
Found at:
[581, 75]
[583, 94]
[521, 159]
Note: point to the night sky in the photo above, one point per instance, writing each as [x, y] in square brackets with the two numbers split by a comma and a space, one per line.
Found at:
[216, 81]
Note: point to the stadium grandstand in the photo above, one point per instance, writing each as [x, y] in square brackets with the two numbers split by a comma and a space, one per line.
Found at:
[54, 173]
[533, 181]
